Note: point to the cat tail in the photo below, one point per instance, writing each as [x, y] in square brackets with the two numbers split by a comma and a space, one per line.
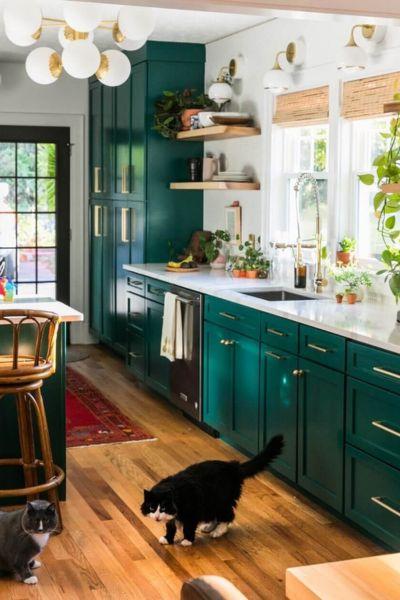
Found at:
[264, 458]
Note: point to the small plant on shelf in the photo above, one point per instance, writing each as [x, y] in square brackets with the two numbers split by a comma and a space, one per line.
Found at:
[213, 248]
[174, 110]
[347, 248]
[351, 279]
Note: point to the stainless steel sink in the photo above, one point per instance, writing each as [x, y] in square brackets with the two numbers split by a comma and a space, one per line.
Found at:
[279, 295]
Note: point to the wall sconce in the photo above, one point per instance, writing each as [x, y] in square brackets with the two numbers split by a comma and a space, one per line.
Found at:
[276, 80]
[352, 57]
[221, 90]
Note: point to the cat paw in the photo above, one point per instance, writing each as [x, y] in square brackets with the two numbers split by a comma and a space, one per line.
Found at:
[35, 564]
[32, 580]
[163, 540]
[208, 527]
[186, 542]
[220, 530]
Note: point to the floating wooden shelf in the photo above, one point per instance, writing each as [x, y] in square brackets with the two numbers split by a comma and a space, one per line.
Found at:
[217, 132]
[214, 185]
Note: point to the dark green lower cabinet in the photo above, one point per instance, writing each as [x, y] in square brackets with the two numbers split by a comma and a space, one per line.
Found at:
[321, 432]
[157, 367]
[135, 354]
[373, 496]
[279, 398]
[231, 386]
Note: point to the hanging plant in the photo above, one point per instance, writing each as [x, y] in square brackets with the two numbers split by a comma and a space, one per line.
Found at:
[170, 108]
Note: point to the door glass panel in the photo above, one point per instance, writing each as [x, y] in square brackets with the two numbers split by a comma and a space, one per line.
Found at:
[46, 264]
[27, 264]
[47, 289]
[7, 194]
[7, 159]
[46, 160]
[46, 195]
[46, 224]
[26, 231]
[8, 230]
[26, 160]
[26, 195]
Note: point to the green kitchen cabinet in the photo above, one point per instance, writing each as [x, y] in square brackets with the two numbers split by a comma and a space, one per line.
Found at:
[96, 267]
[108, 274]
[279, 402]
[157, 375]
[231, 386]
[122, 163]
[96, 139]
[321, 432]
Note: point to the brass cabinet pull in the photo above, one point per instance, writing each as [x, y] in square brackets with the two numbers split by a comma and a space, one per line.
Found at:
[97, 226]
[135, 282]
[385, 372]
[228, 316]
[275, 332]
[124, 182]
[276, 356]
[298, 372]
[97, 187]
[318, 348]
[384, 427]
[134, 355]
[379, 500]
[227, 342]
[124, 225]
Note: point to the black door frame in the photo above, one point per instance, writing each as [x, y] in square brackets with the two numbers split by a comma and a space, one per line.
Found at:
[61, 137]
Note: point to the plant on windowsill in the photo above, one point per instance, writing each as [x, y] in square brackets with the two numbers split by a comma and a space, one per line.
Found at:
[346, 253]
[174, 110]
[387, 202]
[213, 248]
[254, 261]
[352, 279]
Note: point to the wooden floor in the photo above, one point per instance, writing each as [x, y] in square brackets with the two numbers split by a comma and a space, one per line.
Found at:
[109, 550]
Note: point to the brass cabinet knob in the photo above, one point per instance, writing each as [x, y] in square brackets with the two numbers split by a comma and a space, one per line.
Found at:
[298, 372]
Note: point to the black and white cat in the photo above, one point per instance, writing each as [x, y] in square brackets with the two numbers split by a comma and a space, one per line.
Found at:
[23, 535]
[204, 494]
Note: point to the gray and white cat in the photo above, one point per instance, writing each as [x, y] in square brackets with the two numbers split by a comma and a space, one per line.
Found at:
[23, 535]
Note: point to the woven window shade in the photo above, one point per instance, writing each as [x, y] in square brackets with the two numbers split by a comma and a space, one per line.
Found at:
[364, 98]
[306, 107]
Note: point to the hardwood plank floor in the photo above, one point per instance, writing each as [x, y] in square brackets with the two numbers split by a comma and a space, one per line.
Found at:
[108, 550]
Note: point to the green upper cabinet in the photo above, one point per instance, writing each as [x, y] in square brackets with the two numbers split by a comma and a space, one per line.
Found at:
[321, 432]
[122, 166]
[139, 133]
[96, 139]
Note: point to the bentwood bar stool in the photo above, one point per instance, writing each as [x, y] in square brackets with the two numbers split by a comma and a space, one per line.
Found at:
[32, 359]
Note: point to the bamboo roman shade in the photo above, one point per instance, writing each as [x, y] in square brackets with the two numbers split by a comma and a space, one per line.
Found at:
[364, 98]
[307, 106]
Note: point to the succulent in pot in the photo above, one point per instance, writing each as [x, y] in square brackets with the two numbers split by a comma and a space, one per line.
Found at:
[346, 253]
[173, 111]
[351, 279]
[253, 255]
[214, 248]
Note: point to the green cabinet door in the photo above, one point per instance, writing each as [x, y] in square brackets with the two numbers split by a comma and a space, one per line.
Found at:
[96, 267]
[108, 142]
[108, 274]
[157, 367]
[279, 405]
[123, 137]
[96, 139]
[321, 432]
[138, 134]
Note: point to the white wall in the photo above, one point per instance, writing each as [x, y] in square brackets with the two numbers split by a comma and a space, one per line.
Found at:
[62, 104]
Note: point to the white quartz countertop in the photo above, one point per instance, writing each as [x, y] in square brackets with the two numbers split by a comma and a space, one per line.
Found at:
[66, 313]
[364, 322]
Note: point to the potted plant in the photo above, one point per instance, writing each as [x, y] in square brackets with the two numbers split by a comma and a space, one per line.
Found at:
[263, 267]
[352, 279]
[252, 257]
[346, 253]
[174, 110]
[238, 267]
[387, 201]
[213, 248]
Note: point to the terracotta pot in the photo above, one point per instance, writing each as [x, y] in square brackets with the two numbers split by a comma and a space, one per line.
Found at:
[390, 188]
[252, 274]
[242, 273]
[351, 298]
[339, 298]
[186, 115]
[236, 272]
[344, 257]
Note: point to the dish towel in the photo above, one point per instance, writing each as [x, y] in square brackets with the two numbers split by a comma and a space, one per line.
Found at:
[171, 336]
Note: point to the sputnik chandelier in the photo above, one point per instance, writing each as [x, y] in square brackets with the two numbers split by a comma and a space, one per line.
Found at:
[80, 58]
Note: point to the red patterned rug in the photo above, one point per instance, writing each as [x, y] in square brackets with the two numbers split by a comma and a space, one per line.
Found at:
[92, 419]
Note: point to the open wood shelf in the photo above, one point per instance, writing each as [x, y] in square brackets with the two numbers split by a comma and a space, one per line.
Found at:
[214, 185]
[217, 132]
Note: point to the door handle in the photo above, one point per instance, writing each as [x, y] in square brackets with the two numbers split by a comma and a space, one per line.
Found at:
[97, 187]
[134, 355]
[97, 226]
[124, 226]
[379, 500]
[228, 316]
[227, 342]
[317, 348]
[298, 372]
[385, 372]
[275, 332]
[124, 181]
[276, 356]
[381, 425]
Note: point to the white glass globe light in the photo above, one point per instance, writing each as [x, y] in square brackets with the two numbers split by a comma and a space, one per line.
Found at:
[23, 40]
[115, 68]
[82, 16]
[131, 45]
[220, 92]
[81, 59]
[276, 81]
[64, 36]
[135, 22]
[351, 59]
[23, 18]
[43, 65]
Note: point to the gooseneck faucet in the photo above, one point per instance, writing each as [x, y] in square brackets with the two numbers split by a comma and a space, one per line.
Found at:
[302, 179]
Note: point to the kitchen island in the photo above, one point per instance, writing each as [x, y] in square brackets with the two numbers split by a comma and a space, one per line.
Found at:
[53, 393]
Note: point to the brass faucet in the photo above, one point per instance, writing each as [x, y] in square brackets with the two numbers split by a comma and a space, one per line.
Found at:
[319, 281]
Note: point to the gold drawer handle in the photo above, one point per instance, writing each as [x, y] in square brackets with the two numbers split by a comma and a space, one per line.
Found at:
[124, 225]
[276, 332]
[124, 182]
[385, 372]
[276, 356]
[134, 355]
[318, 348]
[379, 500]
[384, 427]
[97, 228]
[97, 188]
[227, 342]
[228, 316]
[298, 372]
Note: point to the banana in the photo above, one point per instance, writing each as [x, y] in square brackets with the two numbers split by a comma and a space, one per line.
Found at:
[177, 265]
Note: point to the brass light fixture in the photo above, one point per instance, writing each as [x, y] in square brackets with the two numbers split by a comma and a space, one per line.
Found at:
[277, 80]
[352, 58]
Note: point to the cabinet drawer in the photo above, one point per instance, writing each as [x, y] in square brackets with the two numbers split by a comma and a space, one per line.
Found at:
[373, 421]
[135, 354]
[135, 283]
[374, 366]
[156, 290]
[280, 333]
[322, 347]
[136, 312]
[233, 316]
[372, 496]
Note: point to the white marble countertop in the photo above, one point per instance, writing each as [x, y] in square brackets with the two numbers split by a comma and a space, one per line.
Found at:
[364, 322]
[66, 313]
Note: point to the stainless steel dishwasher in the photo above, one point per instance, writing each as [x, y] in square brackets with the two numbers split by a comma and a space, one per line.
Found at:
[186, 372]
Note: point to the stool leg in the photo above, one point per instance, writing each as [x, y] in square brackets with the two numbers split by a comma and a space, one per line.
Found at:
[26, 440]
[46, 450]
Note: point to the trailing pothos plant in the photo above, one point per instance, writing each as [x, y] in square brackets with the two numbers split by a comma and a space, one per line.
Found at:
[170, 107]
[387, 202]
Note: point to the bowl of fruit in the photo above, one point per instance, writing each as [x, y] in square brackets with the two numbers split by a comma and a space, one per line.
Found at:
[183, 266]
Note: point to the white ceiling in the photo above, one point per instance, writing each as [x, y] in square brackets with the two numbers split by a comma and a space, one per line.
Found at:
[172, 26]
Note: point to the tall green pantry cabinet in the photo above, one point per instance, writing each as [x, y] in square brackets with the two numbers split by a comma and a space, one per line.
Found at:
[133, 213]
